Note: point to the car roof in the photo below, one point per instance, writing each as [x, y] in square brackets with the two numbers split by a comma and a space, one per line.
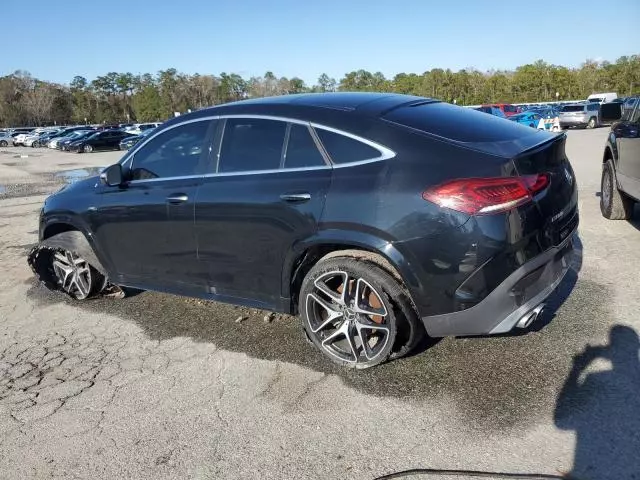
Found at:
[364, 103]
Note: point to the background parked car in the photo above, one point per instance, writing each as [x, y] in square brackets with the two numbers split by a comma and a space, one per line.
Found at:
[104, 140]
[495, 111]
[530, 119]
[54, 139]
[37, 139]
[138, 128]
[5, 139]
[505, 108]
[64, 142]
[579, 115]
[620, 182]
[129, 142]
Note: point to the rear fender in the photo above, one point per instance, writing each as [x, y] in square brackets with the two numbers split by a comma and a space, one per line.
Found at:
[346, 240]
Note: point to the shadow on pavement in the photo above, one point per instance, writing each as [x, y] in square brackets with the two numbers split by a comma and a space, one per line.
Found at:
[603, 408]
[494, 382]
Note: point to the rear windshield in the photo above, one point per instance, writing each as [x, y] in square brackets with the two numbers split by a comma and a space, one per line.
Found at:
[457, 123]
[572, 108]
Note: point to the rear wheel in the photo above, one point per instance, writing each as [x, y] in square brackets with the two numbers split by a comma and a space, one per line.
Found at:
[87, 149]
[591, 123]
[4, 143]
[353, 312]
[614, 204]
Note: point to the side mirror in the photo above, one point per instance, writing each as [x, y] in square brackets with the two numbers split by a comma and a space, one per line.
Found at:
[112, 176]
[610, 112]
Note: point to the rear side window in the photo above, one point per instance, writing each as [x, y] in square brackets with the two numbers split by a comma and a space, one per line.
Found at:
[302, 150]
[251, 144]
[593, 107]
[177, 152]
[343, 149]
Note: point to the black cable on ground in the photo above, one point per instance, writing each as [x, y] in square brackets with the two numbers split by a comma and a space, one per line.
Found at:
[472, 473]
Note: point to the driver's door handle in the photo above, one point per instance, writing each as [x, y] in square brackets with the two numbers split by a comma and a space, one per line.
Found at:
[295, 197]
[177, 198]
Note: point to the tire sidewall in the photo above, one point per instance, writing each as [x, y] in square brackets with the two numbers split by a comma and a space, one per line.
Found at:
[607, 177]
[381, 281]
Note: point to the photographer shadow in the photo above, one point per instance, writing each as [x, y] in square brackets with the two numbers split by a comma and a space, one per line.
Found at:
[603, 408]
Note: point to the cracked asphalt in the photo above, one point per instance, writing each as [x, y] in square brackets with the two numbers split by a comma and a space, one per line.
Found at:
[159, 386]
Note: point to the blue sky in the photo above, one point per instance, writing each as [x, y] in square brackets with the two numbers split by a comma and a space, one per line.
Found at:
[307, 37]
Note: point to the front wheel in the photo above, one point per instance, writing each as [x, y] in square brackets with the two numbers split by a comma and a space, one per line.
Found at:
[87, 149]
[352, 311]
[4, 143]
[35, 145]
[614, 204]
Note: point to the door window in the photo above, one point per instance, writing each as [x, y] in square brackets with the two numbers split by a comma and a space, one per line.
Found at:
[251, 144]
[302, 150]
[177, 152]
[343, 149]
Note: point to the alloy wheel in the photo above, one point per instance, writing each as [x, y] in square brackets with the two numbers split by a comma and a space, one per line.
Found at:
[348, 317]
[88, 148]
[73, 274]
[3, 143]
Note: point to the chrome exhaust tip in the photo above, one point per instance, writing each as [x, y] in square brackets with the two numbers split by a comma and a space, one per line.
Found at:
[529, 317]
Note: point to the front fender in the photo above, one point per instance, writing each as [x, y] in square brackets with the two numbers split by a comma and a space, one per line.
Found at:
[62, 220]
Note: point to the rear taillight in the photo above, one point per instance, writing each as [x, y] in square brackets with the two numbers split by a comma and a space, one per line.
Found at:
[477, 196]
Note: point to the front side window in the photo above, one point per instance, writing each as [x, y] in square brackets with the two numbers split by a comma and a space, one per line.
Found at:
[343, 149]
[302, 150]
[177, 152]
[251, 144]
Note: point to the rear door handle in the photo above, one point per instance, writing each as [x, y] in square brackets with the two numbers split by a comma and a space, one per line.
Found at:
[177, 198]
[295, 197]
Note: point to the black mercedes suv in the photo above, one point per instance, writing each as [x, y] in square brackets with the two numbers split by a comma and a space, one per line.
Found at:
[375, 217]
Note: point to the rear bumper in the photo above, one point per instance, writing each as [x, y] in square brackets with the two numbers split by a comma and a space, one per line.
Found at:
[526, 288]
[573, 121]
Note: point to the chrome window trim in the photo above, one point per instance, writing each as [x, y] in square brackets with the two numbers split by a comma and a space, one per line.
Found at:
[233, 174]
[385, 153]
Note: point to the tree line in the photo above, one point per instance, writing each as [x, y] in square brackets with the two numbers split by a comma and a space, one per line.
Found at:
[120, 97]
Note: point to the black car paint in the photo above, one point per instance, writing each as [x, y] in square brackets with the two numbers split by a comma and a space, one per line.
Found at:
[102, 140]
[235, 239]
[623, 147]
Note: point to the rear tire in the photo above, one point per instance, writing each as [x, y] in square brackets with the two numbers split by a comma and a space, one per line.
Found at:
[4, 143]
[395, 331]
[591, 123]
[614, 204]
[87, 149]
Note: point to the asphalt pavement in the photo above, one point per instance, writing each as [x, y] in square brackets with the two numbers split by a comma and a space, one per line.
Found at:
[158, 386]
